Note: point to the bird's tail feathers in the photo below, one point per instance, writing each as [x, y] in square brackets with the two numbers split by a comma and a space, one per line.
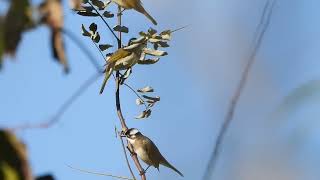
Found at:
[167, 164]
[150, 18]
[143, 11]
[108, 73]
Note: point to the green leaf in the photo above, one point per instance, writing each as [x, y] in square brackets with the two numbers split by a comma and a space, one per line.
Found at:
[166, 35]
[153, 52]
[123, 29]
[93, 27]
[99, 4]
[96, 37]
[108, 14]
[154, 99]
[84, 31]
[87, 8]
[148, 61]
[141, 33]
[104, 47]
[146, 89]
[45, 177]
[152, 31]
[87, 13]
[144, 114]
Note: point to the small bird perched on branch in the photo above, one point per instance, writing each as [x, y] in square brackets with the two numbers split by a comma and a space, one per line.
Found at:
[136, 5]
[122, 59]
[147, 150]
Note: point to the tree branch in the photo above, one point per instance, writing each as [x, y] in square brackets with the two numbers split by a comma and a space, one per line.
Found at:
[100, 174]
[105, 22]
[118, 108]
[235, 99]
[126, 157]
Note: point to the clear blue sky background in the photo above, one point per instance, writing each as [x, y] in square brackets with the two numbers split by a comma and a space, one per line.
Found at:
[195, 83]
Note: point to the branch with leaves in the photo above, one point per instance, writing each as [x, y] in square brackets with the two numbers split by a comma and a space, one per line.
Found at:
[144, 49]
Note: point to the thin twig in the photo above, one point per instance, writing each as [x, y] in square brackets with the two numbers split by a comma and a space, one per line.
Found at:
[180, 28]
[235, 99]
[63, 108]
[118, 107]
[83, 48]
[126, 157]
[144, 102]
[99, 50]
[105, 22]
[100, 174]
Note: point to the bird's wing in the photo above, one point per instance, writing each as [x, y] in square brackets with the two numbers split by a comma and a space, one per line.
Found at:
[108, 73]
[152, 152]
[134, 3]
[119, 54]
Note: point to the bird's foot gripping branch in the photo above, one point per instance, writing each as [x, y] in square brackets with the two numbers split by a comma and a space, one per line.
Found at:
[146, 48]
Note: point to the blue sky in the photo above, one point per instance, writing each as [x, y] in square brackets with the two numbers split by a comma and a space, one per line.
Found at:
[195, 82]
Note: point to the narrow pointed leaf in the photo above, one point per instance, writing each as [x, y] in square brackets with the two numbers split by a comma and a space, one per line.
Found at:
[166, 35]
[104, 47]
[146, 89]
[93, 27]
[152, 31]
[87, 13]
[155, 52]
[108, 14]
[144, 114]
[84, 31]
[148, 61]
[96, 37]
[123, 29]
[155, 99]
[99, 4]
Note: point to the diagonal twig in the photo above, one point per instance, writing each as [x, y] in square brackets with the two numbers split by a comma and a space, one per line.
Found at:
[100, 174]
[264, 23]
[63, 108]
[119, 112]
[105, 22]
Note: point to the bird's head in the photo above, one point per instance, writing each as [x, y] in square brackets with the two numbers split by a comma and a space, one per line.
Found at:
[132, 133]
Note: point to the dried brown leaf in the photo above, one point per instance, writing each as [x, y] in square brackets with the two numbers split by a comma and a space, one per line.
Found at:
[144, 114]
[154, 99]
[146, 89]
[148, 61]
[154, 52]
[58, 49]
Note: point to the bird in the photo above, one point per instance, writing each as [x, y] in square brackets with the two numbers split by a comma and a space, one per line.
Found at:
[136, 5]
[147, 151]
[124, 58]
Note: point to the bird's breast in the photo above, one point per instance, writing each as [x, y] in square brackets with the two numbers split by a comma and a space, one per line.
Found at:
[143, 155]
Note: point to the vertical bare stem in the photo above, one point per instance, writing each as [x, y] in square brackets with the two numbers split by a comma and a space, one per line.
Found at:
[119, 112]
[264, 23]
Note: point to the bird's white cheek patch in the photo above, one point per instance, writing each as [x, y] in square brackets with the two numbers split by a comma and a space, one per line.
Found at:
[131, 141]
